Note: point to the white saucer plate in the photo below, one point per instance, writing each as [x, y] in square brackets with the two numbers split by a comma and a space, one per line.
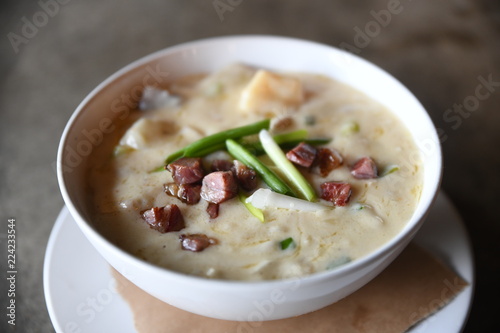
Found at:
[81, 295]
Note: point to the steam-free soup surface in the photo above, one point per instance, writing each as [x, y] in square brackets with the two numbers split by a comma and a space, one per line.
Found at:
[121, 184]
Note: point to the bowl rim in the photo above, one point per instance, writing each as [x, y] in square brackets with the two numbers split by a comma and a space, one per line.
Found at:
[384, 250]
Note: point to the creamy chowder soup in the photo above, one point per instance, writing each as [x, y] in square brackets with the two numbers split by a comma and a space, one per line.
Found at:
[364, 194]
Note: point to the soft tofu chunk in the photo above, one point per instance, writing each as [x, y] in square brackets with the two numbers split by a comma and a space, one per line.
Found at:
[223, 81]
[154, 99]
[270, 93]
[146, 131]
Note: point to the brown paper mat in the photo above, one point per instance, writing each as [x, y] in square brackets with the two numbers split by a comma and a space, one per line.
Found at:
[414, 286]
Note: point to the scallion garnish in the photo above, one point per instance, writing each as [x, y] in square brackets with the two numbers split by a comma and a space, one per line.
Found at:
[221, 137]
[283, 138]
[158, 169]
[286, 141]
[389, 169]
[269, 177]
[350, 127]
[289, 170]
[265, 198]
[193, 149]
[286, 243]
[312, 142]
[254, 211]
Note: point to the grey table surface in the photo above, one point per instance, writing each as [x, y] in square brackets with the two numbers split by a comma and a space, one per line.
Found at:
[53, 52]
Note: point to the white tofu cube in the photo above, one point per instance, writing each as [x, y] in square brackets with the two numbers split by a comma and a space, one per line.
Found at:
[146, 131]
[271, 94]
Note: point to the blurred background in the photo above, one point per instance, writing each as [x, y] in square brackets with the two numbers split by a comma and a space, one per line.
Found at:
[54, 52]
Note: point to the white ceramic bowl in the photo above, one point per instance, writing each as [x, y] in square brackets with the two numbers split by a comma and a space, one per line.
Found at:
[237, 300]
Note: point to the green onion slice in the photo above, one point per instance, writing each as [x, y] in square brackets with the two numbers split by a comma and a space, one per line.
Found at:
[157, 169]
[193, 149]
[269, 177]
[390, 169]
[221, 137]
[254, 211]
[350, 127]
[289, 170]
[286, 243]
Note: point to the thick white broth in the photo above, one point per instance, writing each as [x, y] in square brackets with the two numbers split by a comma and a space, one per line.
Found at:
[121, 186]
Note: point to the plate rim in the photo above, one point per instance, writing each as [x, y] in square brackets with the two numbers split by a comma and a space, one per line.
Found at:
[467, 273]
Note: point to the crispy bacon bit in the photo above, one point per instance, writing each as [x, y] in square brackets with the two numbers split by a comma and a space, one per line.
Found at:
[196, 242]
[364, 168]
[303, 155]
[164, 219]
[213, 210]
[219, 186]
[187, 193]
[221, 165]
[171, 189]
[186, 170]
[336, 192]
[327, 160]
[247, 178]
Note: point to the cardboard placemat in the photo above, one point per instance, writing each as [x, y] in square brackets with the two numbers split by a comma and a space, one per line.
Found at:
[413, 287]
